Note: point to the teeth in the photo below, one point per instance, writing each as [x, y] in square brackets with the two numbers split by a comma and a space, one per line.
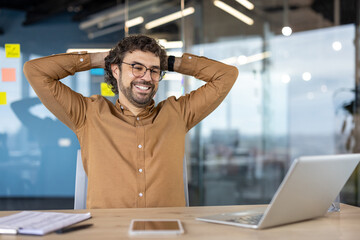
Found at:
[142, 88]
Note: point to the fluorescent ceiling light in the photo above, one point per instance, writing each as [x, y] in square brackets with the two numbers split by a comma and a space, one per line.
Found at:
[242, 60]
[170, 18]
[99, 19]
[246, 4]
[174, 53]
[89, 50]
[134, 22]
[234, 12]
[229, 61]
[171, 44]
[115, 15]
[172, 76]
[115, 28]
[105, 31]
[258, 57]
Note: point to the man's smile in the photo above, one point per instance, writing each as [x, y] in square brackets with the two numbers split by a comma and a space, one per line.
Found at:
[142, 88]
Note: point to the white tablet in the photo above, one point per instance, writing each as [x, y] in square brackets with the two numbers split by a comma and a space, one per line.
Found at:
[155, 226]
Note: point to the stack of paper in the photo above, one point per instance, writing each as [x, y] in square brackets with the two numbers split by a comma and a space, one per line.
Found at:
[38, 223]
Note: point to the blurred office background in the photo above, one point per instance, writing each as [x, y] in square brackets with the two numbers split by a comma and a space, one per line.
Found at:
[296, 94]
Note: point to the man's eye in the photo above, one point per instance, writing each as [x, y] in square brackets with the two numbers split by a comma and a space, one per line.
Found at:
[157, 71]
[137, 67]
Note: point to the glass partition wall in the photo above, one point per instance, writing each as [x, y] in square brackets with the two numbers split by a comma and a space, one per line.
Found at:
[294, 96]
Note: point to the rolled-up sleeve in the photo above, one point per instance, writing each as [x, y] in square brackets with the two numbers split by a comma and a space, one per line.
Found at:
[199, 103]
[44, 74]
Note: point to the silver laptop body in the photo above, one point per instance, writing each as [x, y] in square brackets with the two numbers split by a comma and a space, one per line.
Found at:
[307, 191]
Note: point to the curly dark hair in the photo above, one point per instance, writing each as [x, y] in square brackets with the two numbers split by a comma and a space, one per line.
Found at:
[130, 44]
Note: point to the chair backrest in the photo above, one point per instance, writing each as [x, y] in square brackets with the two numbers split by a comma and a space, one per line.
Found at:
[81, 183]
[186, 184]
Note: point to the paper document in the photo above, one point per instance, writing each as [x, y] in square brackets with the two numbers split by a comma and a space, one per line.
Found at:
[38, 223]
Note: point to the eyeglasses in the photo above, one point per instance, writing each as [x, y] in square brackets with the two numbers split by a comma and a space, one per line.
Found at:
[139, 70]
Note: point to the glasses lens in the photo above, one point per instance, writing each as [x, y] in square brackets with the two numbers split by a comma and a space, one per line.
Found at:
[155, 74]
[162, 74]
[138, 70]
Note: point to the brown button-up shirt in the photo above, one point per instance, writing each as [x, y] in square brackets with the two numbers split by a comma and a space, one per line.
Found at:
[131, 161]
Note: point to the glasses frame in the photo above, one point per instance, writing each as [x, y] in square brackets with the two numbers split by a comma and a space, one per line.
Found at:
[162, 73]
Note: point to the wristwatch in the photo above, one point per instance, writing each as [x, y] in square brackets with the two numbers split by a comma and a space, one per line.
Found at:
[171, 61]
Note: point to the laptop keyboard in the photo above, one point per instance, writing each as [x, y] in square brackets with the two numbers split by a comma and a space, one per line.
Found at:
[247, 219]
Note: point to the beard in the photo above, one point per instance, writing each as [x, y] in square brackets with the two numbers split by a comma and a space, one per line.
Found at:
[139, 100]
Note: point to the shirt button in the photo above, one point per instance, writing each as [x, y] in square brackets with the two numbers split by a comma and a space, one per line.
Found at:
[140, 194]
[121, 107]
[139, 146]
[140, 170]
[190, 57]
[81, 59]
[138, 118]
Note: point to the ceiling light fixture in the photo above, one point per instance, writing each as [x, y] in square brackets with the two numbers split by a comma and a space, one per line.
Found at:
[133, 22]
[89, 50]
[242, 59]
[174, 53]
[232, 11]
[96, 20]
[336, 45]
[170, 44]
[169, 18]
[115, 15]
[246, 4]
[285, 78]
[105, 31]
[286, 30]
[306, 76]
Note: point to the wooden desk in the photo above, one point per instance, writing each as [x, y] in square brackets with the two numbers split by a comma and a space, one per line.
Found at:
[114, 224]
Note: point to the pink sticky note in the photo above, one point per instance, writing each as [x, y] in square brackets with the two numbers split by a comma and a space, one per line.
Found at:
[8, 74]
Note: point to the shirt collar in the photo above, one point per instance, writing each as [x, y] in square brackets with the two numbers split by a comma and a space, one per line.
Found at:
[145, 112]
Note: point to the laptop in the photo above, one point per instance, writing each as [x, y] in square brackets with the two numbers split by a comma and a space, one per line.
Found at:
[307, 191]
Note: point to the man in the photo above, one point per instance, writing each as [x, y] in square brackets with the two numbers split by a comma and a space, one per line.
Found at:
[133, 151]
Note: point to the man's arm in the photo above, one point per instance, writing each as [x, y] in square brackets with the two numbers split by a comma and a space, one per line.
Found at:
[220, 78]
[97, 59]
[44, 74]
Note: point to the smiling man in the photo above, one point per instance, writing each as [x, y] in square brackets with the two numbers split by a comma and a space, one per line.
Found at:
[139, 85]
[132, 151]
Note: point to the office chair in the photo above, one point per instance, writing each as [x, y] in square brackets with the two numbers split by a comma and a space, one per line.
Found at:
[81, 183]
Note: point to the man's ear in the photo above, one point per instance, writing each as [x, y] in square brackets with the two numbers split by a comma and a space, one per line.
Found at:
[115, 71]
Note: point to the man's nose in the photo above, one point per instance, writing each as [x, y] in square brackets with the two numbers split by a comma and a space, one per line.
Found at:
[147, 75]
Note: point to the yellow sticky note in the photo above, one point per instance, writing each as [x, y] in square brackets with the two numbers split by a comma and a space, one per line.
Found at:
[2, 98]
[8, 74]
[106, 90]
[12, 50]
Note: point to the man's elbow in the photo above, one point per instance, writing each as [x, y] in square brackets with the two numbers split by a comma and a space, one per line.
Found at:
[29, 69]
[233, 72]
